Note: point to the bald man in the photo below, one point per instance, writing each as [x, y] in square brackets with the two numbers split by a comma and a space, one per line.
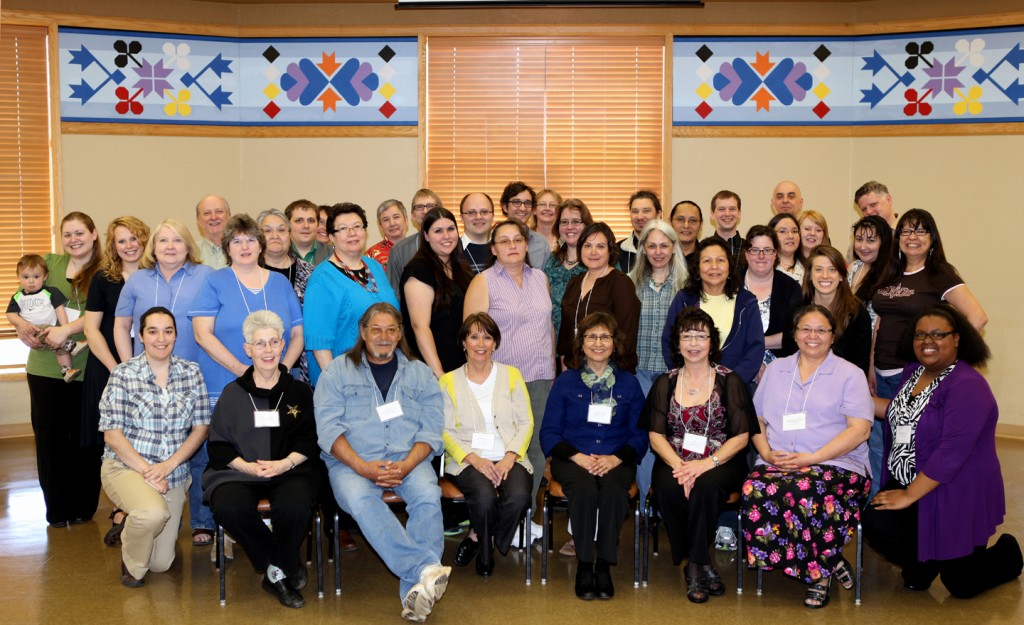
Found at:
[212, 213]
[787, 198]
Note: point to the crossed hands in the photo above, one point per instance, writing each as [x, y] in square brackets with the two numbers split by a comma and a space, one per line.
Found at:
[596, 464]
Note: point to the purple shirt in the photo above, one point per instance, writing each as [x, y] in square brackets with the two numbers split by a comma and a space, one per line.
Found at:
[836, 391]
[523, 315]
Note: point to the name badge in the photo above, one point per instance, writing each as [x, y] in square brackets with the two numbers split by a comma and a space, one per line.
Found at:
[389, 411]
[903, 434]
[266, 418]
[695, 443]
[483, 441]
[599, 413]
[794, 421]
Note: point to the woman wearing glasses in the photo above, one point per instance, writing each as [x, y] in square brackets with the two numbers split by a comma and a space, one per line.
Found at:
[788, 230]
[341, 289]
[592, 436]
[261, 437]
[943, 496]
[564, 263]
[777, 295]
[802, 500]
[517, 201]
[545, 218]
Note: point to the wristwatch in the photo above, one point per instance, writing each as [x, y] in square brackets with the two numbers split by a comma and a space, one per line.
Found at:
[715, 460]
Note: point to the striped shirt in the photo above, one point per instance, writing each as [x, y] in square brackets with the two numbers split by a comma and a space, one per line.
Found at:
[523, 315]
[654, 305]
[155, 421]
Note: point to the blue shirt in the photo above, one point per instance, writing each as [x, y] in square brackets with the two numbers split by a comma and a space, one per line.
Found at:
[346, 400]
[147, 288]
[229, 302]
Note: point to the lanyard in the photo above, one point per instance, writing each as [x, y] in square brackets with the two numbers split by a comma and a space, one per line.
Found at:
[590, 293]
[156, 293]
[268, 403]
[242, 294]
[796, 370]
[711, 389]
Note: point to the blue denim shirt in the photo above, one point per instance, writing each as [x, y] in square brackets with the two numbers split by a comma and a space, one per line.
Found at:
[346, 398]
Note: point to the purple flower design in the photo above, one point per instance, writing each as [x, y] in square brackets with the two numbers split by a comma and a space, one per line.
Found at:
[944, 77]
[152, 78]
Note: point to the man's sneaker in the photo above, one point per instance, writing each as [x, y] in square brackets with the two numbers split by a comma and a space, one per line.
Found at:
[417, 604]
[725, 539]
[434, 579]
[70, 373]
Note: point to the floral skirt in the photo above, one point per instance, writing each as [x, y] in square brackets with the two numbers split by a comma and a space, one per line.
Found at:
[800, 520]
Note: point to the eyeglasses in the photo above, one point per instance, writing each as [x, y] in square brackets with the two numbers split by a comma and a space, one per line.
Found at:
[261, 345]
[520, 203]
[805, 331]
[597, 338]
[514, 241]
[700, 337]
[356, 229]
[685, 220]
[906, 232]
[761, 251]
[424, 207]
[280, 230]
[475, 214]
[241, 240]
[383, 330]
[934, 335]
[571, 222]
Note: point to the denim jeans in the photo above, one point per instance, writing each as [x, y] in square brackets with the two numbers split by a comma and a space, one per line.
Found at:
[199, 514]
[405, 550]
[886, 389]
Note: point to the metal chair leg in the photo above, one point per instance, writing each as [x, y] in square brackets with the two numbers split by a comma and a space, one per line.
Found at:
[859, 565]
[740, 557]
[220, 564]
[546, 539]
[647, 541]
[760, 575]
[337, 557]
[317, 529]
[638, 519]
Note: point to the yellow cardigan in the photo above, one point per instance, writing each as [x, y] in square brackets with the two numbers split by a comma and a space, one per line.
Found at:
[513, 416]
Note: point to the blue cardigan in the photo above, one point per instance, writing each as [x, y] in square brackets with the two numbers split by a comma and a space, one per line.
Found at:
[743, 350]
[566, 431]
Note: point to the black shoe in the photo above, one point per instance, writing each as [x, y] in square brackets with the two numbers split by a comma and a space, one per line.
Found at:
[603, 585]
[466, 551]
[128, 580]
[113, 535]
[299, 580]
[59, 524]
[697, 589]
[585, 585]
[289, 597]
[485, 562]
[715, 584]
[78, 521]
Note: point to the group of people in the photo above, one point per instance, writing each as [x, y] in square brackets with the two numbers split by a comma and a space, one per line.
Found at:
[278, 358]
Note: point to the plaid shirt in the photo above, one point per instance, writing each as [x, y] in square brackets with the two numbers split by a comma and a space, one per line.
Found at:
[654, 307]
[155, 421]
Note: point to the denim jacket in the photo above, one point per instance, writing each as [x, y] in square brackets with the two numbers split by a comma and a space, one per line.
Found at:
[346, 398]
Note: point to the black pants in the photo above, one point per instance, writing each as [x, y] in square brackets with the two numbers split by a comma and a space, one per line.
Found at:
[893, 533]
[691, 523]
[69, 474]
[595, 504]
[291, 504]
[495, 512]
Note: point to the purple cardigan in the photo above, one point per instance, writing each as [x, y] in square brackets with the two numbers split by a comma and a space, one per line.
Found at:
[956, 446]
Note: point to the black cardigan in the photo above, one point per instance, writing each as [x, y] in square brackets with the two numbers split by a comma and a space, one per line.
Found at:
[786, 298]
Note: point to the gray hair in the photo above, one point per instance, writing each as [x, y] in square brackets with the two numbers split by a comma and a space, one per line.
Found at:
[262, 320]
[871, 186]
[643, 267]
[273, 212]
[386, 204]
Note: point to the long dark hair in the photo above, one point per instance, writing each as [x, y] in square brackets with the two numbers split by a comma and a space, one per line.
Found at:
[80, 283]
[936, 263]
[571, 204]
[694, 287]
[845, 304]
[461, 273]
[869, 283]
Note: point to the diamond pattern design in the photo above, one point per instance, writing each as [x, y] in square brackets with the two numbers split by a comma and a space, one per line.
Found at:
[704, 110]
[387, 91]
[822, 53]
[704, 91]
[704, 73]
[271, 54]
[271, 91]
[821, 90]
[386, 73]
[386, 53]
[821, 110]
[822, 72]
[387, 110]
[271, 73]
[704, 53]
[272, 110]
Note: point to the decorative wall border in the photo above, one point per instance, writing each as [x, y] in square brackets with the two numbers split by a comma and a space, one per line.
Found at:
[129, 77]
[951, 77]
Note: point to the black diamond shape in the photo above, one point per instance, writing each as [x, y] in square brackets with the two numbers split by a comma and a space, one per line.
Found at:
[822, 53]
[271, 54]
[704, 53]
[386, 53]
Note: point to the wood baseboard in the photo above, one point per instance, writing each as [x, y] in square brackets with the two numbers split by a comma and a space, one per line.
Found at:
[16, 430]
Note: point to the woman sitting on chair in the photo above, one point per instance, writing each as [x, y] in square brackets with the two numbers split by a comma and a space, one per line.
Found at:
[261, 435]
[591, 434]
[487, 429]
[699, 416]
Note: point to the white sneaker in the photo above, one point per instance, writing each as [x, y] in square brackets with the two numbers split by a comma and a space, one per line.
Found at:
[417, 604]
[725, 539]
[434, 579]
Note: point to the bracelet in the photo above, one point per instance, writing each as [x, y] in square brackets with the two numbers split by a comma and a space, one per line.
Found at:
[715, 460]
[291, 461]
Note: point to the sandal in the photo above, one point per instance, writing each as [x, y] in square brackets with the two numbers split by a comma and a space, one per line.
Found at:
[697, 589]
[202, 537]
[714, 582]
[113, 536]
[818, 594]
[843, 573]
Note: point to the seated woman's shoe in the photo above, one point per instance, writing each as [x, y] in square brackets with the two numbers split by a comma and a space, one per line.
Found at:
[844, 573]
[128, 580]
[818, 594]
[585, 584]
[466, 551]
[603, 587]
[697, 589]
[715, 585]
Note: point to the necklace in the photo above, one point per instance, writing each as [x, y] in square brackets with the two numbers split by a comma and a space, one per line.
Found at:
[691, 391]
[569, 264]
[363, 277]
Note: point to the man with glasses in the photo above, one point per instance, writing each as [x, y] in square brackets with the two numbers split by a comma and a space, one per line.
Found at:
[872, 198]
[403, 251]
[379, 418]
[304, 218]
[212, 213]
[477, 211]
[517, 201]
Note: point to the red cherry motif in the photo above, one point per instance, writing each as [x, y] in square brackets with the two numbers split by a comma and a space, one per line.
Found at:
[127, 103]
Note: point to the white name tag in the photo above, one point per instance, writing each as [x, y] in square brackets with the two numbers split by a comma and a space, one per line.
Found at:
[794, 421]
[695, 443]
[389, 411]
[599, 413]
[483, 441]
[266, 418]
[903, 434]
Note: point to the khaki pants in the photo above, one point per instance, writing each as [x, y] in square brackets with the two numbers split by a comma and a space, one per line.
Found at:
[151, 531]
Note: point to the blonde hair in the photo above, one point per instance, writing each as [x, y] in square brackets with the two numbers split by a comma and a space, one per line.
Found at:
[816, 218]
[192, 250]
[111, 263]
